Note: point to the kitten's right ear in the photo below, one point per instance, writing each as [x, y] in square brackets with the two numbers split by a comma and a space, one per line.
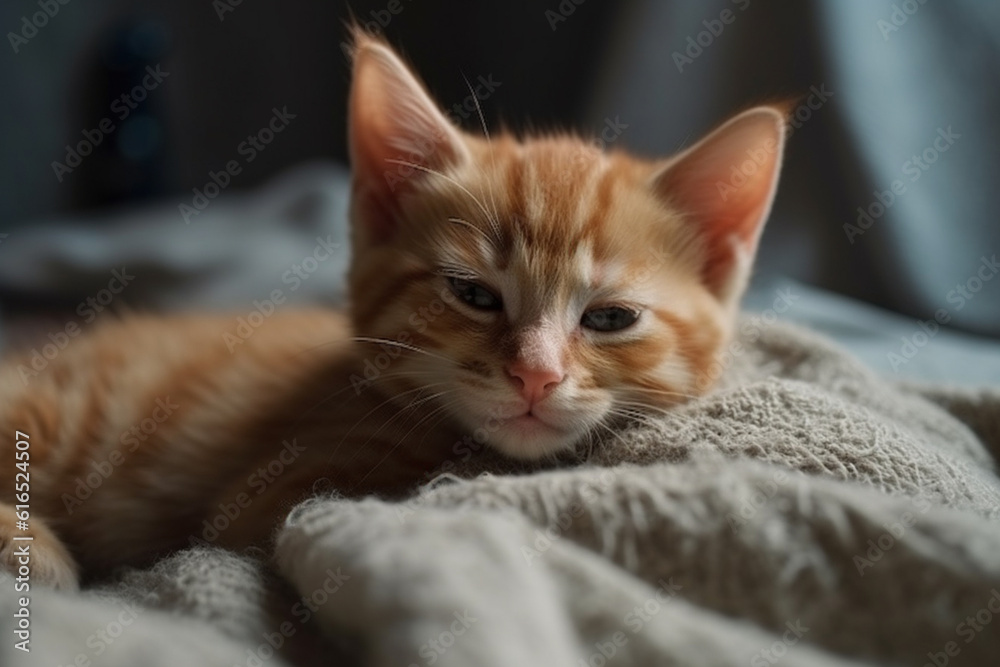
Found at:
[397, 135]
[725, 185]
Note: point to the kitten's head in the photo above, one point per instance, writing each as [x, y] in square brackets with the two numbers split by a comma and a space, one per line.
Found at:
[541, 285]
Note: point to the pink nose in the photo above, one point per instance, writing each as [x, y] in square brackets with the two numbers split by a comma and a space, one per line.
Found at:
[534, 383]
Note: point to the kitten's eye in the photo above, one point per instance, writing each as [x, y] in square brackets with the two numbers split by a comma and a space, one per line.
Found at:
[609, 319]
[475, 295]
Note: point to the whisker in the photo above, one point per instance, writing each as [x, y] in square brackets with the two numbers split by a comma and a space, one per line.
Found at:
[451, 180]
[628, 411]
[663, 392]
[410, 407]
[422, 420]
[617, 435]
[305, 414]
[396, 343]
[657, 411]
[590, 446]
[466, 223]
[385, 376]
[633, 415]
[399, 442]
[493, 160]
[298, 421]
[338, 341]
[440, 419]
[646, 407]
[377, 408]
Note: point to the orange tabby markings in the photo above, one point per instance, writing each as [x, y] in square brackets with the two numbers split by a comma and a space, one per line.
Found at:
[576, 282]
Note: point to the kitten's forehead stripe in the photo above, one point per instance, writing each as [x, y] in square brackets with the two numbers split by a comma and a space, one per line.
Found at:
[533, 194]
[599, 206]
[556, 198]
[517, 207]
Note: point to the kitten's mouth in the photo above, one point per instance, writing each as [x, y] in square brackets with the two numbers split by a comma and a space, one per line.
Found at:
[527, 435]
[526, 419]
[529, 422]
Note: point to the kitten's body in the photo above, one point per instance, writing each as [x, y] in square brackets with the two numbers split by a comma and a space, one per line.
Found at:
[533, 289]
[150, 426]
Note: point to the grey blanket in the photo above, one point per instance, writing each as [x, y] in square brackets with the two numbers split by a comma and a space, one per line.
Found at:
[807, 512]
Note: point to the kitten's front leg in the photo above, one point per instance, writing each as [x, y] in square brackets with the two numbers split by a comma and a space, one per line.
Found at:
[41, 560]
[382, 467]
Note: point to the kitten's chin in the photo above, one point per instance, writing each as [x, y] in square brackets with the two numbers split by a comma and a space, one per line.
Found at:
[529, 438]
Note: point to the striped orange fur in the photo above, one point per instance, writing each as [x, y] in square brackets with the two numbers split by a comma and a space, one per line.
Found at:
[529, 289]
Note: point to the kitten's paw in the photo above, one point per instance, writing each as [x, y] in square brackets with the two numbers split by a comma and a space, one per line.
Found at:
[46, 558]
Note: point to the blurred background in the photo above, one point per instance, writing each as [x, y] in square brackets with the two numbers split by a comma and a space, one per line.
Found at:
[199, 147]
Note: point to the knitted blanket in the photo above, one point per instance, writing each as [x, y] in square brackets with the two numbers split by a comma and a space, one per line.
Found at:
[806, 512]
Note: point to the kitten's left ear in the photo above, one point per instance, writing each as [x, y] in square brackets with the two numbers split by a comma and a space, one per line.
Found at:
[725, 185]
[392, 120]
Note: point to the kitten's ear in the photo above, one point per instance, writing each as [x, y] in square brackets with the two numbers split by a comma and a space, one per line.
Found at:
[725, 185]
[392, 120]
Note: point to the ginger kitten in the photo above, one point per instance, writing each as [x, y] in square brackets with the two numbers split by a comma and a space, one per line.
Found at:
[528, 288]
